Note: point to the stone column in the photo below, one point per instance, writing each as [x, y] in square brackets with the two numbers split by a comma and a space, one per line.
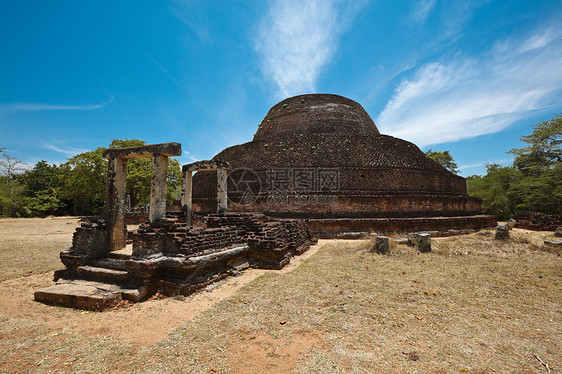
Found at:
[222, 202]
[186, 196]
[114, 207]
[382, 244]
[158, 187]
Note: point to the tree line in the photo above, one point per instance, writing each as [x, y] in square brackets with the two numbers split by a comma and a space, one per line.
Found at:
[76, 187]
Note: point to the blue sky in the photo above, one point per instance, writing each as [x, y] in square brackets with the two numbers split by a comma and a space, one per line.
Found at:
[470, 77]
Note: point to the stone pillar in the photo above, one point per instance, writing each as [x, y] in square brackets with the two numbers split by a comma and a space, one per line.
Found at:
[158, 187]
[424, 243]
[382, 245]
[502, 232]
[186, 196]
[511, 223]
[114, 207]
[222, 202]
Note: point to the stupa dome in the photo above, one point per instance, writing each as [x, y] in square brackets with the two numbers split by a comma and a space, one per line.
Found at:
[315, 114]
[321, 156]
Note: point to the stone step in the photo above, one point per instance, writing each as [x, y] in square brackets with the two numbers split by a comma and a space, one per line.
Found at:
[86, 295]
[118, 256]
[103, 275]
[127, 293]
[109, 264]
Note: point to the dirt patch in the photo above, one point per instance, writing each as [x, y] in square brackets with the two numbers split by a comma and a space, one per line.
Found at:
[263, 353]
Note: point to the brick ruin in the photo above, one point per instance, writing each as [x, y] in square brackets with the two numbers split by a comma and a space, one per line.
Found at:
[170, 253]
[321, 157]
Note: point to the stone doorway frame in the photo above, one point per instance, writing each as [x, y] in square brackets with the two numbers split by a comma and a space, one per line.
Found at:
[222, 168]
[114, 205]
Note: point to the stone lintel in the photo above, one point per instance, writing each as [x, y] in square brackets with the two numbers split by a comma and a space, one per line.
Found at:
[164, 149]
[206, 165]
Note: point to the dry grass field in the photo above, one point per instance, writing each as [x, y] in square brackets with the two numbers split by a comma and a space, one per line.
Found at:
[472, 305]
[31, 245]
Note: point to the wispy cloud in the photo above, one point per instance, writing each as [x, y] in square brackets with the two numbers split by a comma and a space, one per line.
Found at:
[468, 97]
[422, 10]
[69, 151]
[31, 107]
[296, 39]
[479, 165]
[191, 13]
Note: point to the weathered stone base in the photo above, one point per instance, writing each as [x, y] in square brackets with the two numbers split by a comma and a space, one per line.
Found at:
[170, 257]
[343, 227]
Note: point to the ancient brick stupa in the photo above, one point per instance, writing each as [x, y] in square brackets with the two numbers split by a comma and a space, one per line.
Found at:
[321, 157]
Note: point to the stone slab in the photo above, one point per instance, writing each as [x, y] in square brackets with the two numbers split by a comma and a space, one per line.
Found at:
[206, 165]
[164, 149]
[80, 296]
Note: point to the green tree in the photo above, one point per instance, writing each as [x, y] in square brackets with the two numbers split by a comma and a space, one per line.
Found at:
[495, 190]
[444, 159]
[42, 188]
[544, 149]
[12, 200]
[534, 182]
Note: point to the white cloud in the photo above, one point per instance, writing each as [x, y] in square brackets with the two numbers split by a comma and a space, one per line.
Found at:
[479, 165]
[30, 107]
[70, 151]
[467, 97]
[296, 39]
[422, 10]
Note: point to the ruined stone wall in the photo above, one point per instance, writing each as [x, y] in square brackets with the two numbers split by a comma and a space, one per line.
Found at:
[537, 221]
[328, 228]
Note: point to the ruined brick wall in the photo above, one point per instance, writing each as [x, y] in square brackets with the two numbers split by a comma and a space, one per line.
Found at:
[272, 242]
[328, 228]
[537, 221]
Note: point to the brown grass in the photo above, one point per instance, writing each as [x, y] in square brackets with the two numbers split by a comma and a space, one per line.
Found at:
[472, 305]
[31, 245]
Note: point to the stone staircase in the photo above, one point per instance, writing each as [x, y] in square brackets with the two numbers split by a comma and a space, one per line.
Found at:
[101, 284]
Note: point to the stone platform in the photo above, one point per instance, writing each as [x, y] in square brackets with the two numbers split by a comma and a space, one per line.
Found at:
[340, 227]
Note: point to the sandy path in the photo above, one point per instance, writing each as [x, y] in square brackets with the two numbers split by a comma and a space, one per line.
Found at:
[127, 324]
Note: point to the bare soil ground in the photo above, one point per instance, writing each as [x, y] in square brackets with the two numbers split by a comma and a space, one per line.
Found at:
[472, 305]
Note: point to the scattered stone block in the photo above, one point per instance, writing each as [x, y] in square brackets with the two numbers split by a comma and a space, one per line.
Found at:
[558, 232]
[424, 242]
[382, 245]
[413, 238]
[403, 241]
[502, 232]
[511, 223]
[556, 242]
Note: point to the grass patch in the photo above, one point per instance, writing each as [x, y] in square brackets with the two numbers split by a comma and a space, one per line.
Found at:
[31, 246]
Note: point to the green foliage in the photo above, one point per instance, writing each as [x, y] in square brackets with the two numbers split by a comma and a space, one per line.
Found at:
[544, 149]
[534, 182]
[444, 159]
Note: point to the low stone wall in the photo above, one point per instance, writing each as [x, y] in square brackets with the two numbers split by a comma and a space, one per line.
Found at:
[537, 221]
[330, 228]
